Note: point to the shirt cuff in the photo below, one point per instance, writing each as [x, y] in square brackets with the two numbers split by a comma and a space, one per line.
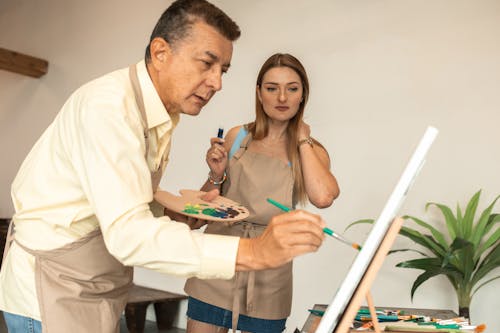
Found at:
[218, 256]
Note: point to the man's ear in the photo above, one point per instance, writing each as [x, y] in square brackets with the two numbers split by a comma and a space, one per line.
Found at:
[160, 51]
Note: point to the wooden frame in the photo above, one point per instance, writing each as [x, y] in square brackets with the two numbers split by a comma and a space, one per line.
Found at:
[363, 290]
[23, 64]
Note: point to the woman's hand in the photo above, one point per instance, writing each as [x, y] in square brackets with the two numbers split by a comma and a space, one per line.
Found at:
[216, 158]
[304, 131]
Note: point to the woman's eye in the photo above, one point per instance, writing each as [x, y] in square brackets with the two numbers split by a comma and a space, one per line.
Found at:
[293, 89]
[270, 89]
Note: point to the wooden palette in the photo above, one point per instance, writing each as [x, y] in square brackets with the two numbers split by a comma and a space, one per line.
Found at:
[189, 203]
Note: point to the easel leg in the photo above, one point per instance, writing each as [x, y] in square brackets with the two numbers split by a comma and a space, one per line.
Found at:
[373, 313]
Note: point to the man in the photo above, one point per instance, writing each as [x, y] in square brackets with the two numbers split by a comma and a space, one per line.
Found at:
[81, 196]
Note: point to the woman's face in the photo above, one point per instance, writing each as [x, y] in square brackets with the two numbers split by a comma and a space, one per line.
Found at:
[280, 93]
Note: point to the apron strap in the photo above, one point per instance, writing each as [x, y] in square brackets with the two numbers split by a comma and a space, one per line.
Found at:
[243, 146]
[134, 79]
[248, 228]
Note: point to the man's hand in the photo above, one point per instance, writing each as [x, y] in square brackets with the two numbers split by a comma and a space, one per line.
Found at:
[286, 237]
[192, 222]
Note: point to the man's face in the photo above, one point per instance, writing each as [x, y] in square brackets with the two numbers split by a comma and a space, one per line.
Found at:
[190, 72]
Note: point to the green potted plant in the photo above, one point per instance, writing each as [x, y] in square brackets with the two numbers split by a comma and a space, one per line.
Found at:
[466, 256]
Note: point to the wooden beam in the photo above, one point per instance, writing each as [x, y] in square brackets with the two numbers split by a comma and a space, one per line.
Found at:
[22, 63]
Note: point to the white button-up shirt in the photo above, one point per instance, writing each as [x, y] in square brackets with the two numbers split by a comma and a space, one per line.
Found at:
[88, 170]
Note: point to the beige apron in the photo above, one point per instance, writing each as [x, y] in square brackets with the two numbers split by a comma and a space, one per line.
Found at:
[265, 294]
[81, 283]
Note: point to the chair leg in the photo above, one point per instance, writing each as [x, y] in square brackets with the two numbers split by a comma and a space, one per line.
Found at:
[135, 316]
[165, 314]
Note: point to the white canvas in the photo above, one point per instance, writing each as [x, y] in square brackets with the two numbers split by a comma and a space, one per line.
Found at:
[336, 308]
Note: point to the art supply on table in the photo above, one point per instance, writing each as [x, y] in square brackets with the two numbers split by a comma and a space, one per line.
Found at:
[190, 203]
[426, 329]
[327, 231]
[367, 312]
[433, 326]
[317, 312]
[380, 317]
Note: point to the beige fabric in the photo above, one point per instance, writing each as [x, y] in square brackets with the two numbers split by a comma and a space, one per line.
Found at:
[266, 294]
[81, 288]
[155, 174]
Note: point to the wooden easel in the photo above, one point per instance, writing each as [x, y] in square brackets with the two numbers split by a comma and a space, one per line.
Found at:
[363, 290]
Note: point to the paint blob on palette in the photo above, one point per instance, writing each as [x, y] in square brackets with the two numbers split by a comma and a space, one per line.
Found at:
[189, 203]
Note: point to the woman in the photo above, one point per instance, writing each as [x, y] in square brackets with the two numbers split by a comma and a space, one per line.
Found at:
[272, 157]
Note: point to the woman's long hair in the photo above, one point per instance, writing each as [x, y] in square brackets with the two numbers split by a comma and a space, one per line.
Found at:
[260, 127]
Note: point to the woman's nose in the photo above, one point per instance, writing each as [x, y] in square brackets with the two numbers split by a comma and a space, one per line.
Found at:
[282, 96]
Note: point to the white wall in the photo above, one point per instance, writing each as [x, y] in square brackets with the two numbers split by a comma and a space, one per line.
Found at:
[380, 72]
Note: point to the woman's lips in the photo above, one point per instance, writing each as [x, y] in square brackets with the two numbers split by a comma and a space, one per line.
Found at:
[281, 108]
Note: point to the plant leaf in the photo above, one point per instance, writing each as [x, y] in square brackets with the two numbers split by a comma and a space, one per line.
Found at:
[490, 262]
[363, 221]
[493, 219]
[484, 283]
[459, 214]
[463, 254]
[421, 263]
[470, 212]
[404, 250]
[451, 221]
[437, 235]
[424, 240]
[489, 242]
[424, 277]
[484, 220]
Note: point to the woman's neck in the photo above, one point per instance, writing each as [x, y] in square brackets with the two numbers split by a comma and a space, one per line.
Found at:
[276, 131]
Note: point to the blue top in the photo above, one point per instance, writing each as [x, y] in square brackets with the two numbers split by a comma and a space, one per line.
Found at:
[242, 133]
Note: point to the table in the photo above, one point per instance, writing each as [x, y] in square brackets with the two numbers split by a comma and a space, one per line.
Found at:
[166, 306]
[313, 320]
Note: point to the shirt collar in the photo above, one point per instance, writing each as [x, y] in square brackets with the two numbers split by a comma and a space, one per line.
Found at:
[155, 110]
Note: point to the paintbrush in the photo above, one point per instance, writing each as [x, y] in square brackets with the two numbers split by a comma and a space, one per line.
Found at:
[327, 231]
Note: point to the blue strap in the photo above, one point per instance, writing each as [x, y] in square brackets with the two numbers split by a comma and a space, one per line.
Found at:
[242, 133]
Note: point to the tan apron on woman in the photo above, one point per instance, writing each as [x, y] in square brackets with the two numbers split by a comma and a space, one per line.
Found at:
[265, 294]
[81, 287]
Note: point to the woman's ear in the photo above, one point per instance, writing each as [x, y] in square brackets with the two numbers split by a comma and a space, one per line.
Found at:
[258, 93]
